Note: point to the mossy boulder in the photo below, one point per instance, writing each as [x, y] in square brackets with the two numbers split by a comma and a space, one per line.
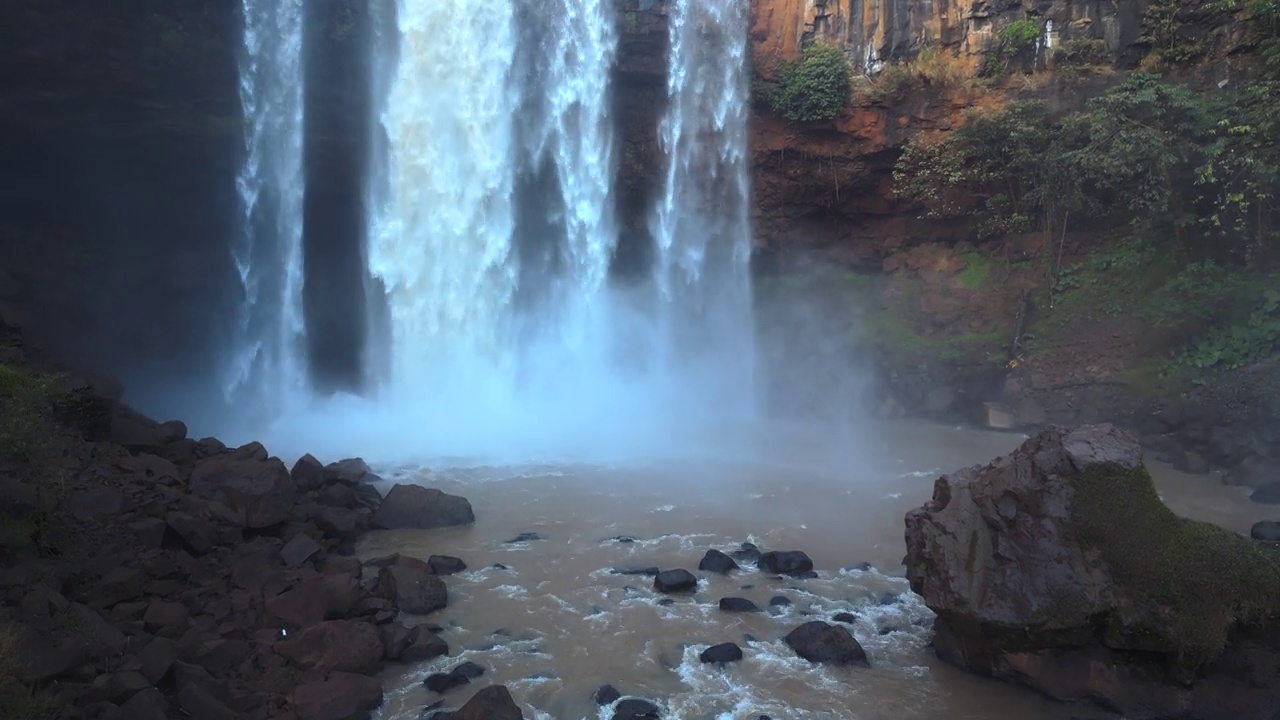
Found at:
[1059, 567]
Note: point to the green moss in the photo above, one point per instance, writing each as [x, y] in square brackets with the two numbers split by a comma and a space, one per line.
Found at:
[1190, 582]
[977, 270]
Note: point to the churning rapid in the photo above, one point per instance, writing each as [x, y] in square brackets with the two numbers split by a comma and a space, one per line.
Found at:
[268, 253]
[497, 318]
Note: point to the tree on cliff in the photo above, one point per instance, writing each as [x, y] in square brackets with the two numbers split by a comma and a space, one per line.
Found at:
[814, 88]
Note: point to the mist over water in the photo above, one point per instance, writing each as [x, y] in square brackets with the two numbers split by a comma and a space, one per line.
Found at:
[498, 328]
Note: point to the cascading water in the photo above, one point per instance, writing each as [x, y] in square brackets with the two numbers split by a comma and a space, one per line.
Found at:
[268, 361]
[702, 225]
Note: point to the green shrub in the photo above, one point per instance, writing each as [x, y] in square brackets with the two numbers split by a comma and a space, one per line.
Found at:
[1018, 35]
[1081, 52]
[17, 701]
[815, 88]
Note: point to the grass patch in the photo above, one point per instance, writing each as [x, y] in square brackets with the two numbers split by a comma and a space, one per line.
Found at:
[1191, 582]
[18, 701]
[977, 270]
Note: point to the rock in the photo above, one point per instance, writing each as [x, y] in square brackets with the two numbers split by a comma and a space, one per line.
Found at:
[258, 493]
[722, 654]
[445, 564]
[397, 638]
[200, 704]
[526, 537]
[788, 562]
[1191, 462]
[161, 614]
[828, 644]
[149, 532]
[746, 553]
[844, 617]
[298, 550]
[491, 703]
[605, 695]
[342, 645]
[1268, 494]
[650, 571]
[458, 676]
[148, 704]
[302, 606]
[43, 661]
[738, 604]
[350, 471]
[307, 473]
[1060, 559]
[671, 581]
[416, 507]
[157, 658]
[636, 709]
[425, 646]
[341, 696]
[1268, 530]
[196, 533]
[717, 562]
[412, 587]
[121, 584]
[779, 601]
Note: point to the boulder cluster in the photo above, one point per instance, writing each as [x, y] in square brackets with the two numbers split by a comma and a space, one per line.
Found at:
[149, 575]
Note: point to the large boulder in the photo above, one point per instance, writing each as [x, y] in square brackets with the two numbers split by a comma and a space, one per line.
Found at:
[491, 703]
[258, 493]
[1059, 567]
[419, 508]
[412, 586]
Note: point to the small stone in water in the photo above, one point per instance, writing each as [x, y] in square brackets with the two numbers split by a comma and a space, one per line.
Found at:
[722, 653]
[845, 617]
[525, 537]
[717, 562]
[737, 604]
[675, 581]
[778, 601]
[605, 695]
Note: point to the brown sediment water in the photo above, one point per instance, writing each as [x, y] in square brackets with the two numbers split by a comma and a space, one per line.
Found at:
[549, 618]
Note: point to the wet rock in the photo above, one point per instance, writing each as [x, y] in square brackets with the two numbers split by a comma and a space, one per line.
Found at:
[412, 586]
[717, 562]
[121, 584]
[307, 473]
[397, 638]
[1020, 559]
[299, 550]
[525, 537]
[425, 646]
[788, 562]
[636, 709]
[491, 703]
[416, 507]
[746, 553]
[351, 471]
[258, 493]
[738, 604]
[445, 564]
[779, 601]
[1268, 530]
[1268, 494]
[650, 571]
[722, 654]
[342, 645]
[341, 696]
[605, 695]
[844, 617]
[623, 539]
[458, 676]
[828, 644]
[671, 581]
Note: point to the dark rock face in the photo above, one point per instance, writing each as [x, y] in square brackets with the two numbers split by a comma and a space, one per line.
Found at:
[788, 562]
[1059, 560]
[717, 562]
[828, 644]
[257, 494]
[416, 507]
[670, 581]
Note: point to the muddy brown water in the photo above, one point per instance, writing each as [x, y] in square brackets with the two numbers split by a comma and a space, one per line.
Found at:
[549, 619]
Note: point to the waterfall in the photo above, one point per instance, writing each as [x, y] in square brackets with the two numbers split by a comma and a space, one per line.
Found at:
[268, 358]
[702, 223]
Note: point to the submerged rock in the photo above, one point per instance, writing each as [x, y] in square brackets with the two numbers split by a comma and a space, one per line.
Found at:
[747, 552]
[722, 653]
[636, 709]
[460, 675]
[491, 703]
[1058, 561]
[1268, 530]
[605, 694]
[738, 604]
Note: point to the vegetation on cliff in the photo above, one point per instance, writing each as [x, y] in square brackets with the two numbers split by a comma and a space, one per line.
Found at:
[814, 88]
